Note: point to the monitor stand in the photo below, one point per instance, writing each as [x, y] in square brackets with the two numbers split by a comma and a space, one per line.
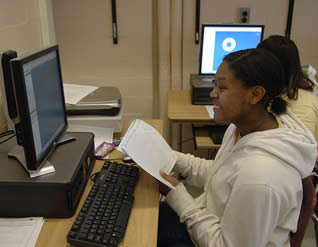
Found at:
[65, 138]
[17, 152]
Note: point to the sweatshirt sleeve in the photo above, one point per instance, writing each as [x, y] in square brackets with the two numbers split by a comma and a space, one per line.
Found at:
[248, 220]
[193, 169]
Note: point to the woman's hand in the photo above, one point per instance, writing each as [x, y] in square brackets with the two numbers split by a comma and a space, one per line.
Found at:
[171, 178]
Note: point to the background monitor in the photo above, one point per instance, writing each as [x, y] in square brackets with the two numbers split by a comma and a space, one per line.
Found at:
[39, 96]
[219, 40]
[6, 87]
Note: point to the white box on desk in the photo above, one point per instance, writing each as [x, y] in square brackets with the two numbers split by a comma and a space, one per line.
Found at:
[115, 122]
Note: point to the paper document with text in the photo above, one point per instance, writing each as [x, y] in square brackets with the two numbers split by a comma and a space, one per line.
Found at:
[20, 232]
[148, 149]
[73, 93]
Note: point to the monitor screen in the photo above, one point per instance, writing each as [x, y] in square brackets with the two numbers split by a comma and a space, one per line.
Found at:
[40, 102]
[219, 40]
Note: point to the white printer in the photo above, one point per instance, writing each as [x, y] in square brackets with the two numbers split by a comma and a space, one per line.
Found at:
[100, 108]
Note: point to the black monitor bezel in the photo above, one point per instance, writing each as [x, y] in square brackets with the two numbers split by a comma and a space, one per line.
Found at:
[222, 25]
[24, 120]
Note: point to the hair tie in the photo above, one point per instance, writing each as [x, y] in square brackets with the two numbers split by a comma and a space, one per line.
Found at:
[276, 97]
[272, 100]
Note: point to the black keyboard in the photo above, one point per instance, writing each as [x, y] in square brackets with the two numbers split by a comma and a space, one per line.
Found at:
[103, 218]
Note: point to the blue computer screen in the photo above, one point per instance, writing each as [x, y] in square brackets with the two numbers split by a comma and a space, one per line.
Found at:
[220, 40]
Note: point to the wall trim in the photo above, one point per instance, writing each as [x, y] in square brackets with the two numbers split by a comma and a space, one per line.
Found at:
[47, 22]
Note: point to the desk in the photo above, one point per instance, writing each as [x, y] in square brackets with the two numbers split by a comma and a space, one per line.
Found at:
[142, 225]
[180, 110]
[203, 139]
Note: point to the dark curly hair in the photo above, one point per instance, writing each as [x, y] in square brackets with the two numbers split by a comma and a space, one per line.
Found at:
[259, 67]
[287, 53]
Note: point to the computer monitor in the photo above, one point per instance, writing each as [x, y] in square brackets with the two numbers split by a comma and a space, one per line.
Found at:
[6, 87]
[219, 40]
[39, 96]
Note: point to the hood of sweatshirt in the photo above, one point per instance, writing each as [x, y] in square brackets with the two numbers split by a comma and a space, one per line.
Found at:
[293, 143]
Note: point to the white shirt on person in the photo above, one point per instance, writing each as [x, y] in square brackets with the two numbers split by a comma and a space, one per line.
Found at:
[252, 189]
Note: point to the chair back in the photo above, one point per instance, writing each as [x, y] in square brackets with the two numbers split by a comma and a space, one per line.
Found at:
[307, 208]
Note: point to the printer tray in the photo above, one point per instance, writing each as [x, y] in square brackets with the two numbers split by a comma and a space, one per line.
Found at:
[104, 101]
[92, 110]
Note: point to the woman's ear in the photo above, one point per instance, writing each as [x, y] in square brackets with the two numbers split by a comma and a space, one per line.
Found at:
[256, 94]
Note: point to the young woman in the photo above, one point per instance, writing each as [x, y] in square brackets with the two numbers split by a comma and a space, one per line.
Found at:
[252, 189]
[299, 89]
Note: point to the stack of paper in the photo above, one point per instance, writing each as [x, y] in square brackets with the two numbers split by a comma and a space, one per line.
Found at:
[20, 232]
[148, 149]
[73, 93]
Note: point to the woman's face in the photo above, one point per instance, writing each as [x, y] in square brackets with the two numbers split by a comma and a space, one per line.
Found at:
[230, 97]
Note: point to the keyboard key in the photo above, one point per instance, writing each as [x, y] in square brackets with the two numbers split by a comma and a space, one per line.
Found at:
[123, 216]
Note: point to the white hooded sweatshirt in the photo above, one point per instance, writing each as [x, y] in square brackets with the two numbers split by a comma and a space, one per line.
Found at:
[252, 190]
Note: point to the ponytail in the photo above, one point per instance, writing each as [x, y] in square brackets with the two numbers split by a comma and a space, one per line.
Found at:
[278, 105]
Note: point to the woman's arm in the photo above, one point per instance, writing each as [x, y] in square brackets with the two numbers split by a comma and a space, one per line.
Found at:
[193, 169]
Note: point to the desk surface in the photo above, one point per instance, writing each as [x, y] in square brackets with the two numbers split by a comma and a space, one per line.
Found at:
[142, 225]
[180, 108]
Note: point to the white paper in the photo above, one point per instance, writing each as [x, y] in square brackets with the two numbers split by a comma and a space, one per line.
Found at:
[209, 108]
[148, 149]
[101, 134]
[20, 232]
[74, 93]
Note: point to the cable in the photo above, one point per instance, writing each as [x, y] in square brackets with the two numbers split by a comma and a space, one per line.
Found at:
[109, 159]
[289, 18]
[93, 176]
[6, 139]
[9, 132]
[114, 22]
[119, 160]
[197, 21]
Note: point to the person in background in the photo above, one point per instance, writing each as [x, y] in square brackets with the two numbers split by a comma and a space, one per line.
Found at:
[252, 190]
[299, 89]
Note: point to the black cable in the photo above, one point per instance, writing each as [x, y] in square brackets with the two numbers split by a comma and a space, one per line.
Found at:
[114, 21]
[93, 176]
[9, 132]
[119, 160]
[132, 163]
[197, 21]
[108, 159]
[289, 18]
[7, 139]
